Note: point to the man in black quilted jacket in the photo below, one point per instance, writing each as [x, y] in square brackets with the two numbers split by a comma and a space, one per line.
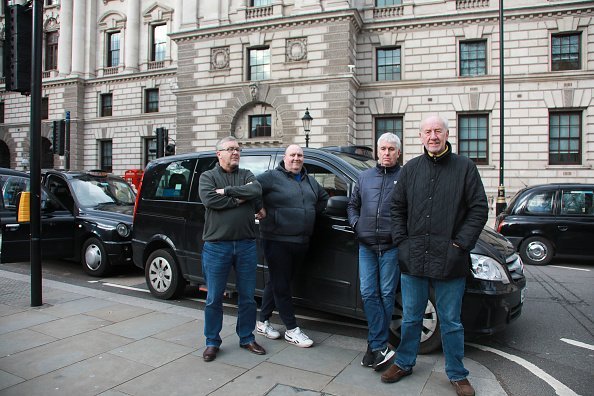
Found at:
[439, 208]
[369, 216]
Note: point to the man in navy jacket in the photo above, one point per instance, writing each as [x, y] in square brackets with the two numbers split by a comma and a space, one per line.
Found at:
[369, 215]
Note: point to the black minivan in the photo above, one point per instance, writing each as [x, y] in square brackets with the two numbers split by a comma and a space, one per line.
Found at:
[167, 244]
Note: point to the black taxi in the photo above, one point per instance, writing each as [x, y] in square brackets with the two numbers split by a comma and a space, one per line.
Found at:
[85, 216]
[169, 220]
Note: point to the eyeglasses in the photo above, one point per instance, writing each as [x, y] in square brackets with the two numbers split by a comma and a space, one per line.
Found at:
[231, 149]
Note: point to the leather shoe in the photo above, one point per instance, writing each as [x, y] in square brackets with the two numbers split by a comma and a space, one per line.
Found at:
[255, 348]
[210, 353]
[394, 374]
[463, 387]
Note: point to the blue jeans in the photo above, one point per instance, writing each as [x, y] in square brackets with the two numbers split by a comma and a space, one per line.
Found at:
[379, 275]
[448, 298]
[217, 260]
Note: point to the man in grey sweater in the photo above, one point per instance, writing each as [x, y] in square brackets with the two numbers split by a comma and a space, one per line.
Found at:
[231, 197]
[291, 201]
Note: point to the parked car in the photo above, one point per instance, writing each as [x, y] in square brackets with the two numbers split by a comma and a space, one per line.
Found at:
[167, 244]
[550, 220]
[86, 216]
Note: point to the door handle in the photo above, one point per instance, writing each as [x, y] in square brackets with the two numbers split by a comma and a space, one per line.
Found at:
[563, 228]
[12, 227]
[343, 229]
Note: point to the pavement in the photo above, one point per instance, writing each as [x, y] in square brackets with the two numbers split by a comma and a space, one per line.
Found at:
[84, 341]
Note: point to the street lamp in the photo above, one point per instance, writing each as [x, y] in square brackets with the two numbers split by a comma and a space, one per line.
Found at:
[307, 119]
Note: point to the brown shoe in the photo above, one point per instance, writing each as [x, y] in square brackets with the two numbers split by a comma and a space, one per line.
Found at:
[255, 348]
[394, 374]
[210, 353]
[463, 387]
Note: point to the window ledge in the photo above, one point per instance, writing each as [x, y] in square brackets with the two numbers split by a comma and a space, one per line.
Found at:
[260, 141]
[568, 167]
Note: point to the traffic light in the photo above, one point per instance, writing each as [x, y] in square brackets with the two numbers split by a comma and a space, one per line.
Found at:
[161, 141]
[59, 137]
[17, 48]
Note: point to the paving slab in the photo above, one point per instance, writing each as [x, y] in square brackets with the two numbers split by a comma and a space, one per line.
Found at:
[22, 320]
[146, 325]
[118, 312]
[152, 351]
[21, 340]
[71, 325]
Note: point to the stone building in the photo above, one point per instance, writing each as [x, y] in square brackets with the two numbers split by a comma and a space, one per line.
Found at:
[205, 69]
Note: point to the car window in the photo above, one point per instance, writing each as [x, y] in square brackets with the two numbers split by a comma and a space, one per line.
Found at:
[11, 188]
[576, 202]
[255, 163]
[540, 203]
[171, 182]
[59, 187]
[332, 183]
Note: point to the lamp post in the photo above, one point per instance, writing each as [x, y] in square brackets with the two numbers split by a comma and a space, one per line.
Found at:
[307, 119]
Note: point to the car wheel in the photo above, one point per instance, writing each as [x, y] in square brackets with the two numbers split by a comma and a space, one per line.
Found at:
[163, 276]
[430, 334]
[536, 251]
[94, 259]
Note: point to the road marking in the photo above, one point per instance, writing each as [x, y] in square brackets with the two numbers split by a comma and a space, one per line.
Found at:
[571, 268]
[578, 343]
[123, 287]
[559, 387]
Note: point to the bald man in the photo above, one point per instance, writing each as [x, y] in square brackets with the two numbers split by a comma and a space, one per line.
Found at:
[291, 201]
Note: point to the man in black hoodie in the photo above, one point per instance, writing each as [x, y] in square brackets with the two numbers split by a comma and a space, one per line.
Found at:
[369, 215]
[291, 201]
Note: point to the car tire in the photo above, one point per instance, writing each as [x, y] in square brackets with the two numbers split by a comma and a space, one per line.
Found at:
[430, 335]
[163, 276]
[536, 251]
[94, 258]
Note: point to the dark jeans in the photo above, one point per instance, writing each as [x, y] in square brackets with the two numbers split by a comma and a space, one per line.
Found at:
[283, 259]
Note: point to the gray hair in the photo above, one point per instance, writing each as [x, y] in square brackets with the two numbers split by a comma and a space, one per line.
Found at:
[219, 145]
[444, 121]
[389, 138]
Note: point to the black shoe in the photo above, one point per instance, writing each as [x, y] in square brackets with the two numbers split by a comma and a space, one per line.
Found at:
[381, 358]
[368, 358]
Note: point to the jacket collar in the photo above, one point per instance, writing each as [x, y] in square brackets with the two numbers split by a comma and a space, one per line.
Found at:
[439, 158]
[281, 167]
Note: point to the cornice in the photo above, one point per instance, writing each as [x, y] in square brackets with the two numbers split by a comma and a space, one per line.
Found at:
[351, 15]
[111, 79]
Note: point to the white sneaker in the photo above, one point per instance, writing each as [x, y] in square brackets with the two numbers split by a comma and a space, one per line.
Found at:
[265, 329]
[297, 337]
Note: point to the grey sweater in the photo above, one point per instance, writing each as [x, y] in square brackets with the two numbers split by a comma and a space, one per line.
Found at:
[226, 219]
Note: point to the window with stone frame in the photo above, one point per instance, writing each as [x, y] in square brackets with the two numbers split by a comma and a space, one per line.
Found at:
[151, 100]
[393, 124]
[387, 3]
[113, 49]
[105, 155]
[51, 51]
[45, 108]
[105, 105]
[259, 63]
[473, 137]
[388, 63]
[565, 138]
[260, 3]
[158, 42]
[473, 58]
[260, 125]
[1, 112]
[566, 51]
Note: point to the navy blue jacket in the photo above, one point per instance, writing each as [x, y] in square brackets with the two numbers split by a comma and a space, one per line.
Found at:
[291, 205]
[369, 206]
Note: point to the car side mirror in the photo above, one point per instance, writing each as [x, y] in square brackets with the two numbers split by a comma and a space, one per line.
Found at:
[337, 206]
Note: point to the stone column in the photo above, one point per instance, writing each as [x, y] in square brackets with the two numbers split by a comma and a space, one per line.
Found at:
[132, 35]
[65, 39]
[189, 16]
[78, 53]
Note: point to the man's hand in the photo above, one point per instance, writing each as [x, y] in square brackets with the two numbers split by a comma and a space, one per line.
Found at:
[261, 214]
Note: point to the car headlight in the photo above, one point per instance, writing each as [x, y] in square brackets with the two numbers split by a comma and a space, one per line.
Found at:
[486, 268]
[123, 230]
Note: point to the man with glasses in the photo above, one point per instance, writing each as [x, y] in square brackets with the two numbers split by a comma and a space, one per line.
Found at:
[439, 208]
[231, 196]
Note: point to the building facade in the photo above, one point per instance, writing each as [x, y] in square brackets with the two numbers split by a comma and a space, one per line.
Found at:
[251, 68]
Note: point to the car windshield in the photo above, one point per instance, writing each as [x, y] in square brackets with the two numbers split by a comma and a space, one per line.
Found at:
[92, 191]
[359, 162]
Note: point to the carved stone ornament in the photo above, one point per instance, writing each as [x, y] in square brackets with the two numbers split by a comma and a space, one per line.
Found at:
[254, 91]
[296, 49]
[219, 58]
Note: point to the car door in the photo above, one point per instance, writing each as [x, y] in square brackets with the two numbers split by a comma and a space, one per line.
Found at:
[329, 276]
[575, 222]
[57, 226]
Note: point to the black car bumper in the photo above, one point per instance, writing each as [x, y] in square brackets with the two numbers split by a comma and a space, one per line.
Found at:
[119, 253]
[488, 309]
